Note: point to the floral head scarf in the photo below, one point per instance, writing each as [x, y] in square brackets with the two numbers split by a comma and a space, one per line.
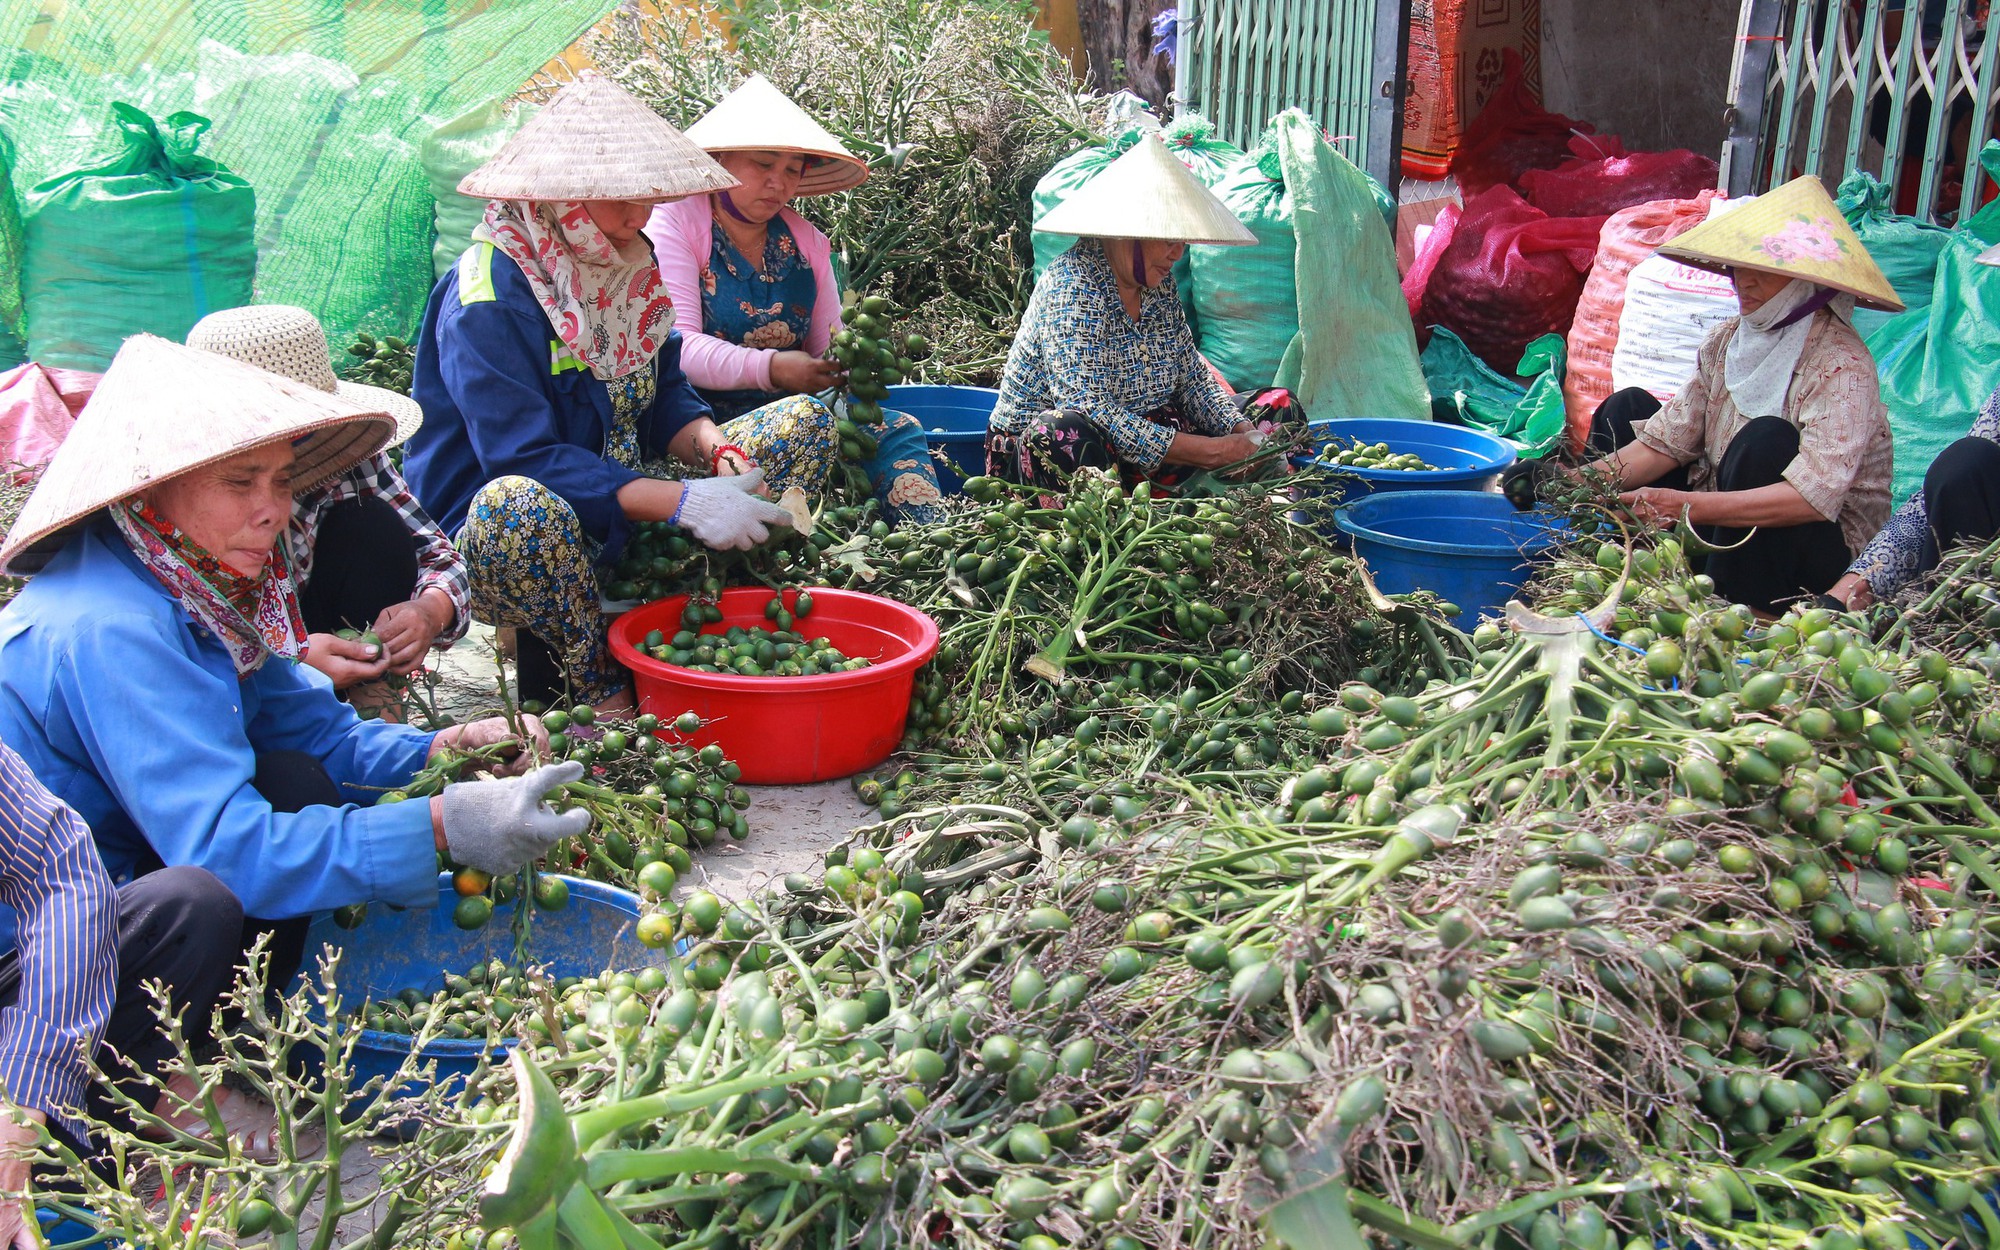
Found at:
[607, 304]
[255, 617]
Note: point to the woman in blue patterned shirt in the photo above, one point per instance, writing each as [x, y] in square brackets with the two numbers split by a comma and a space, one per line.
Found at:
[1104, 370]
[1959, 502]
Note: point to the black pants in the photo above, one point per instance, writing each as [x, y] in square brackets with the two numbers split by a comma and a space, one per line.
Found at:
[1774, 564]
[1961, 498]
[538, 673]
[364, 560]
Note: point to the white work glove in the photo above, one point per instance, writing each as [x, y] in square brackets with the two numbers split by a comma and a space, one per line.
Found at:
[725, 512]
[500, 826]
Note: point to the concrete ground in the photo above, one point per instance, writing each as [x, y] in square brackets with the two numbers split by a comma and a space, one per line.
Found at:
[791, 828]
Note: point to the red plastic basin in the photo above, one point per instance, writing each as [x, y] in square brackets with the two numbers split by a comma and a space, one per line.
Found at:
[787, 730]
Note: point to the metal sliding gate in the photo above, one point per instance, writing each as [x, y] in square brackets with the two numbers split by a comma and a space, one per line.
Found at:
[1906, 89]
[1241, 61]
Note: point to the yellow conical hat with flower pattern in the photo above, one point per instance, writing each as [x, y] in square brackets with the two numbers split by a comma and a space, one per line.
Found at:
[1793, 231]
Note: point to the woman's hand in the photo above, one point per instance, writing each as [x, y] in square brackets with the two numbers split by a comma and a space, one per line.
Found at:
[1854, 591]
[408, 629]
[19, 1132]
[730, 462]
[1204, 451]
[801, 373]
[497, 731]
[1657, 505]
[346, 662]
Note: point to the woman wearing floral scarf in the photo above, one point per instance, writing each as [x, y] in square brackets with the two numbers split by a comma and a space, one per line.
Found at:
[556, 413]
[1777, 451]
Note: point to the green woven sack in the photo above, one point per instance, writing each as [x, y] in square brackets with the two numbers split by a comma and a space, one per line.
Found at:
[1191, 137]
[148, 241]
[1905, 248]
[1315, 304]
[1938, 363]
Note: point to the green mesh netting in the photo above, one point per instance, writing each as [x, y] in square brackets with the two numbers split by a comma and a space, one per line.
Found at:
[321, 104]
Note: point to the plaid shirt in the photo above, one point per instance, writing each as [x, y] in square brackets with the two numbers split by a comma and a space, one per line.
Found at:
[439, 566]
[1843, 465]
[1079, 351]
[1893, 560]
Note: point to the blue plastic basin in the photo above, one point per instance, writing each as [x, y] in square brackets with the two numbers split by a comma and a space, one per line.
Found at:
[1472, 548]
[954, 420]
[392, 950]
[1465, 459]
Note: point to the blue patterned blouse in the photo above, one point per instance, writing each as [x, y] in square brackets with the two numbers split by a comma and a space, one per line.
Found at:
[770, 307]
[1079, 351]
[1892, 559]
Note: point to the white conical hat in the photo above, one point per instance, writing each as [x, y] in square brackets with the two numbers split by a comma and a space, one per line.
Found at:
[1147, 194]
[594, 140]
[757, 117]
[162, 409]
[290, 342]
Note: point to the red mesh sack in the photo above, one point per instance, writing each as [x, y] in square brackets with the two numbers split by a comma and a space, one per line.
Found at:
[1426, 260]
[1598, 183]
[1628, 237]
[1510, 274]
[1514, 134]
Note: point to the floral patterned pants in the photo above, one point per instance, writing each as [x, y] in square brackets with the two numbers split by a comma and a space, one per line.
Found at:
[534, 567]
[1053, 446]
[901, 472]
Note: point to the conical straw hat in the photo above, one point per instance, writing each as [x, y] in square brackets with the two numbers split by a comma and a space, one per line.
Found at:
[291, 343]
[595, 141]
[757, 117]
[1147, 194]
[162, 409]
[1793, 231]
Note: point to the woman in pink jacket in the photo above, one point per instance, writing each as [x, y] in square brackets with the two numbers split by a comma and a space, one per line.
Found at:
[753, 288]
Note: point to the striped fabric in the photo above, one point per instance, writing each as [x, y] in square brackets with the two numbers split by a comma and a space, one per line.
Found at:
[51, 876]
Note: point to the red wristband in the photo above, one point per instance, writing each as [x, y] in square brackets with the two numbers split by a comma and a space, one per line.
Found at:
[715, 459]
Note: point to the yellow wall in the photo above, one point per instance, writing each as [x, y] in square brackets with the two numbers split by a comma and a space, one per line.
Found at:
[1058, 17]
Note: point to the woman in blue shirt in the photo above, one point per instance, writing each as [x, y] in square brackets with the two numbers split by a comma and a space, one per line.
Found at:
[554, 404]
[150, 672]
[1104, 371]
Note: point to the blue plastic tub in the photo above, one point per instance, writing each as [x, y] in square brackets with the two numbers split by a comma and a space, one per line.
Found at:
[1466, 459]
[393, 949]
[1472, 548]
[954, 420]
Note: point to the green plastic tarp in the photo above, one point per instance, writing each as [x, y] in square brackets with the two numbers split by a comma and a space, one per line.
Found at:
[1316, 304]
[1531, 417]
[321, 105]
[1905, 248]
[1939, 362]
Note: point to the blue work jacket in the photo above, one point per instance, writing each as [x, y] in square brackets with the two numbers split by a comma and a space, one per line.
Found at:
[132, 713]
[503, 395]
